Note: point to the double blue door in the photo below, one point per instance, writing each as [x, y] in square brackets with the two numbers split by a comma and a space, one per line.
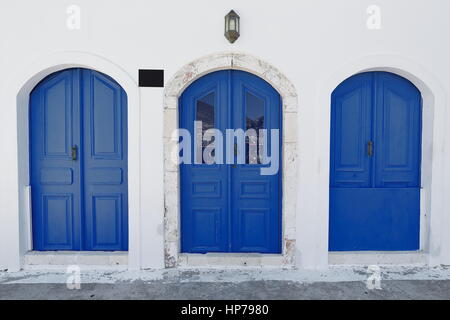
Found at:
[375, 164]
[230, 207]
[78, 156]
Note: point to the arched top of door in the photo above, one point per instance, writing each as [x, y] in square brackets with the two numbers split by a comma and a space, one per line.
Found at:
[235, 61]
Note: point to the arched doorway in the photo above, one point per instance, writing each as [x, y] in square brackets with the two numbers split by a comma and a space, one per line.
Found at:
[375, 164]
[78, 162]
[230, 205]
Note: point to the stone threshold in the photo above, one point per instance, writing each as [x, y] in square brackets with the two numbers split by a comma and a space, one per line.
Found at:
[378, 258]
[232, 260]
[83, 258]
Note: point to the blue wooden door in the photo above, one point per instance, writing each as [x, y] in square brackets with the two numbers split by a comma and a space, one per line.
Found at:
[78, 157]
[375, 164]
[230, 207]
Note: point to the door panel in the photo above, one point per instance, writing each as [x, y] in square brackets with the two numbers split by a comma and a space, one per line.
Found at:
[367, 219]
[58, 211]
[230, 207]
[383, 211]
[78, 162]
[54, 176]
[398, 132]
[351, 131]
[255, 200]
[105, 163]
[204, 187]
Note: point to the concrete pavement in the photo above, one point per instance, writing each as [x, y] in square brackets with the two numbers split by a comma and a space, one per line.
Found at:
[407, 282]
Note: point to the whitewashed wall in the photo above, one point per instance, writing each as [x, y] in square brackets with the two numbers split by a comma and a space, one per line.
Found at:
[315, 44]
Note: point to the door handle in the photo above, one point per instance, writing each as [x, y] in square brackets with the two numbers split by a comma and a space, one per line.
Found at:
[370, 148]
[74, 152]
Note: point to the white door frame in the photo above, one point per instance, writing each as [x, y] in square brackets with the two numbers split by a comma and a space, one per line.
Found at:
[434, 133]
[16, 222]
[174, 88]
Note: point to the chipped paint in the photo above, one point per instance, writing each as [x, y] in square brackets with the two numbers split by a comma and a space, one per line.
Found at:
[177, 275]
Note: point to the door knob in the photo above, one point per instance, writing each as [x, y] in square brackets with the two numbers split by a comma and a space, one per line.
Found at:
[74, 152]
[370, 148]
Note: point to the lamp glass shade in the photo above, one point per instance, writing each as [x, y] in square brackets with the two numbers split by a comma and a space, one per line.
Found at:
[232, 26]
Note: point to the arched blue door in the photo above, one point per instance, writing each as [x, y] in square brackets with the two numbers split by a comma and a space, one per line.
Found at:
[375, 164]
[230, 207]
[78, 157]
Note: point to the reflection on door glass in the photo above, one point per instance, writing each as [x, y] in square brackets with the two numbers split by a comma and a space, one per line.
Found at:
[205, 114]
[254, 120]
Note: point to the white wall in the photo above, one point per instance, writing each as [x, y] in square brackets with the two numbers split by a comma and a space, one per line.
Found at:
[311, 42]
